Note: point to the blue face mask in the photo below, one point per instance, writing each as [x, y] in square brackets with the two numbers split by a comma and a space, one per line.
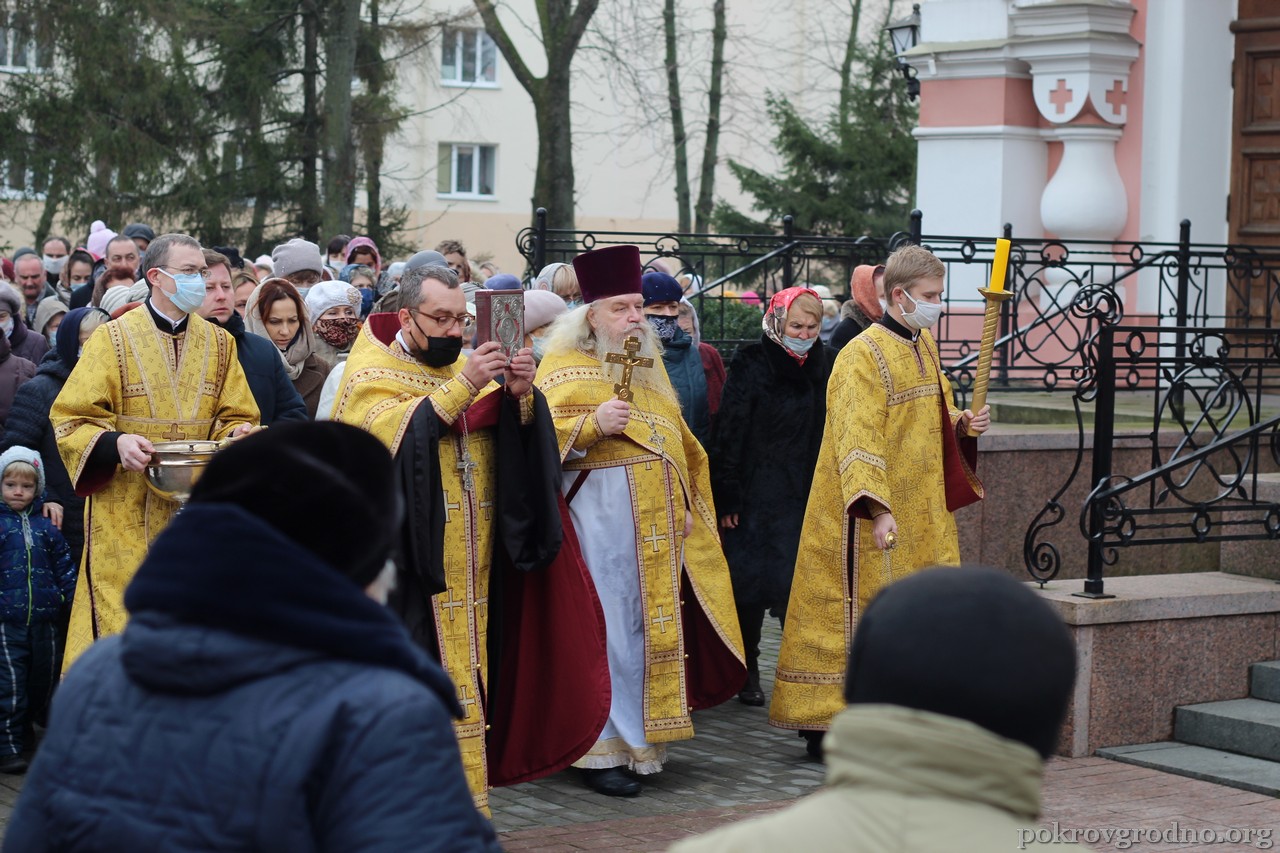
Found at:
[189, 292]
[799, 346]
[539, 348]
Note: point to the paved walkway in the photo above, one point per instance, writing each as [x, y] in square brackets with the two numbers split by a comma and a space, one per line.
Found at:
[738, 767]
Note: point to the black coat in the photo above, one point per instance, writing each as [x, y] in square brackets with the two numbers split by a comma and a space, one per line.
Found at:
[28, 426]
[278, 400]
[763, 450]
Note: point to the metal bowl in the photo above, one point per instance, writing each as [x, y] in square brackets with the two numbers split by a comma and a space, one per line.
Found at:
[175, 467]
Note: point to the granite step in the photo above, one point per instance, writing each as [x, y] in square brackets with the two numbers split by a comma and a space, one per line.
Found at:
[1244, 726]
[1199, 762]
[1264, 680]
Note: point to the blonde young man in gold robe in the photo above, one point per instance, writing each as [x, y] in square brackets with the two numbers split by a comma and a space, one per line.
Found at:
[896, 460]
[639, 495]
[401, 363]
[159, 373]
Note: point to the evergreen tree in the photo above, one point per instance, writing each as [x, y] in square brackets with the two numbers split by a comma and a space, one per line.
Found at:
[204, 115]
[851, 173]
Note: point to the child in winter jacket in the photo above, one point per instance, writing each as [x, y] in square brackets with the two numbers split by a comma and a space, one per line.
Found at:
[37, 582]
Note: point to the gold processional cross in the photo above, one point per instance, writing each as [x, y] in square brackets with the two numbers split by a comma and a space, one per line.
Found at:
[630, 360]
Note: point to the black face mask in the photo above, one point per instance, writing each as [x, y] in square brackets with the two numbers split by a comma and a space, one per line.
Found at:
[668, 328]
[440, 352]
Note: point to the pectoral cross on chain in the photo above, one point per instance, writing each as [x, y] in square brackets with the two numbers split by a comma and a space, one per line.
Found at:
[629, 361]
[466, 467]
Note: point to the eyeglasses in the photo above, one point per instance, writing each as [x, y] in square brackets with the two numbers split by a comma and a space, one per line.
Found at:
[448, 321]
[203, 272]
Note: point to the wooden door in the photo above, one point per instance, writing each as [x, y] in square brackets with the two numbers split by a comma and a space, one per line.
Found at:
[1253, 214]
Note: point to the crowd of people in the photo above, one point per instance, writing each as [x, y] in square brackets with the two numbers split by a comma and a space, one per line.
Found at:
[554, 553]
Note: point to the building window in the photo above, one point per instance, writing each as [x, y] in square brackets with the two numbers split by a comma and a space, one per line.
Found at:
[19, 50]
[18, 181]
[466, 171]
[468, 58]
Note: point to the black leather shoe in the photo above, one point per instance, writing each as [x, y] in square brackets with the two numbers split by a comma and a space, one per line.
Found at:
[813, 743]
[751, 694]
[13, 764]
[611, 782]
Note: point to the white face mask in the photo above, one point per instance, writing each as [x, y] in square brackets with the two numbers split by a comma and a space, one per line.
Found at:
[924, 315]
[7, 327]
[52, 265]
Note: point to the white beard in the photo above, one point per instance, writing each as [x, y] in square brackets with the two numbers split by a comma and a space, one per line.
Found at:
[653, 378]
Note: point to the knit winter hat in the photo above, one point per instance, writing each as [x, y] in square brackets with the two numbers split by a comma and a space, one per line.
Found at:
[264, 262]
[297, 255]
[970, 643]
[330, 294]
[99, 236]
[18, 453]
[116, 297]
[315, 483]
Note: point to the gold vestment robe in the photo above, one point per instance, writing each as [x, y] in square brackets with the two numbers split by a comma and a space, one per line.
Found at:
[134, 378]
[665, 476]
[882, 440]
[381, 389]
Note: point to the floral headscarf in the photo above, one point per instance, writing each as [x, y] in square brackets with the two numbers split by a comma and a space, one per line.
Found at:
[775, 318]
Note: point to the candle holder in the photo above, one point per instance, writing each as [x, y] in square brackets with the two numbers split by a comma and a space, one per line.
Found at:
[990, 323]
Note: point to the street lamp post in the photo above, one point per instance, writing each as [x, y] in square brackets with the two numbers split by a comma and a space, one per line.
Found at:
[905, 33]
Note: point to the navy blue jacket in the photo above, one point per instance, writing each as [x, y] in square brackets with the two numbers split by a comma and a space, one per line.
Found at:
[28, 426]
[257, 700]
[684, 368]
[272, 389]
[37, 575]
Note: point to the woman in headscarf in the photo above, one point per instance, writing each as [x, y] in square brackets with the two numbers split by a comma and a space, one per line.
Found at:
[76, 273]
[276, 312]
[363, 279]
[764, 447]
[49, 314]
[28, 423]
[364, 251]
[561, 280]
[334, 307]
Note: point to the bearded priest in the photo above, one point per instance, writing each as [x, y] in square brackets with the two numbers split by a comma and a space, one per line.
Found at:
[486, 579]
[638, 491]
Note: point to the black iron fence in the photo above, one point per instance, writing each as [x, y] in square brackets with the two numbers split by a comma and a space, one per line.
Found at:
[1215, 427]
[1193, 327]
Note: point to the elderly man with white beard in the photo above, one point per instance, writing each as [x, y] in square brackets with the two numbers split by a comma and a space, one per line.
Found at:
[636, 483]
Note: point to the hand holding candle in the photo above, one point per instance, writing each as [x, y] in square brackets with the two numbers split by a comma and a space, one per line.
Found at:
[994, 294]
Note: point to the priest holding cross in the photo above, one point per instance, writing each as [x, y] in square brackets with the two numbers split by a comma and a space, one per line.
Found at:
[637, 486]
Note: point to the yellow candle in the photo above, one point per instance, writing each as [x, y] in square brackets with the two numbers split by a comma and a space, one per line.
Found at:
[999, 265]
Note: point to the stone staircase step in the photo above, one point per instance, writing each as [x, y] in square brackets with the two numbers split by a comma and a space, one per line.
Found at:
[1244, 726]
[1264, 680]
[1199, 762]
